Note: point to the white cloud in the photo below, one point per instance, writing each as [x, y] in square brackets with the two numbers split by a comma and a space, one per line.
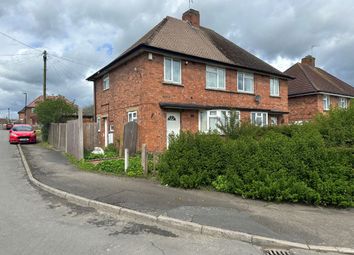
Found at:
[92, 33]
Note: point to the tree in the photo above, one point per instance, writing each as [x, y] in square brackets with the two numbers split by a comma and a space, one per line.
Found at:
[88, 110]
[54, 110]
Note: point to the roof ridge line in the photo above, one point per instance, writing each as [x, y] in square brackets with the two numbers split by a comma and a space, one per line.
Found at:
[158, 28]
[308, 78]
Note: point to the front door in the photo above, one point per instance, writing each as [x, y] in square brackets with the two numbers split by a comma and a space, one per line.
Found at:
[173, 124]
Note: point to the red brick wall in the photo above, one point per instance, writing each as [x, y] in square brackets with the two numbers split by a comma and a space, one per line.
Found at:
[139, 85]
[125, 92]
[303, 108]
[306, 108]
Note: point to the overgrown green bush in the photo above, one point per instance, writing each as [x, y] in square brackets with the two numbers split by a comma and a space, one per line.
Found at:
[337, 127]
[286, 163]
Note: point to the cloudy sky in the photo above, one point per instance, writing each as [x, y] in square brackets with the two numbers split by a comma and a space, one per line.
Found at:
[83, 35]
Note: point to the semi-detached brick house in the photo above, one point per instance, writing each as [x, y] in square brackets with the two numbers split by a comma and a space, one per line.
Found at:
[314, 91]
[182, 76]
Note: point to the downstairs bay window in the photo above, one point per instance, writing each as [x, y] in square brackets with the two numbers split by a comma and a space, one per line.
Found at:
[208, 120]
[259, 118]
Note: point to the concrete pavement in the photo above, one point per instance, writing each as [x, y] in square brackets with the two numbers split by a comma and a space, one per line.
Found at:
[304, 224]
[35, 222]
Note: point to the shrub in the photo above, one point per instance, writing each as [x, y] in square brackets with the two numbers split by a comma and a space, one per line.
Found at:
[116, 166]
[193, 160]
[292, 163]
[111, 166]
[337, 127]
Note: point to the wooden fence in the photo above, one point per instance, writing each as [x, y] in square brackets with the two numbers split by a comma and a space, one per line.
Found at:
[74, 136]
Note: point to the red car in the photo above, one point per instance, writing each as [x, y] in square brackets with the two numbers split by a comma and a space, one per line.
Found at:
[22, 133]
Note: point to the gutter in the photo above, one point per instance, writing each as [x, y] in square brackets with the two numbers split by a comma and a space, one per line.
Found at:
[178, 106]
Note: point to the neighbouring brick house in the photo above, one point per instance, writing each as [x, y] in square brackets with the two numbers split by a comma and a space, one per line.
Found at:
[27, 114]
[314, 91]
[182, 76]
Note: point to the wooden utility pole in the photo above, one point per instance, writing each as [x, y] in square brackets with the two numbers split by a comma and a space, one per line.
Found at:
[44, 75]
[25, 93]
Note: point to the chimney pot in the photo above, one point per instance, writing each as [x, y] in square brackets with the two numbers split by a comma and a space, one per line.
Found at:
[309, 60]
[192, 16]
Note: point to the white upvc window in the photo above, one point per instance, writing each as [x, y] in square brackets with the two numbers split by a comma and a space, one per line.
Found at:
[208, 120]
[343, 102]
[259, 118]
[274, 120]
[326, 102]
[215, 78]
[106, 82]
[274, 87]
[133, 116]
[172, 70]
[98, 124]
[245, 82]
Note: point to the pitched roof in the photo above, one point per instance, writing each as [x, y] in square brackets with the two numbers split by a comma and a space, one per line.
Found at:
[311, 80]
[38, 99]
[180, 36]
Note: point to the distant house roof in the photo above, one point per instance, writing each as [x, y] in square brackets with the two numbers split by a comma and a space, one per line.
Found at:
[310, 79]
[181, 37]
[40, 99]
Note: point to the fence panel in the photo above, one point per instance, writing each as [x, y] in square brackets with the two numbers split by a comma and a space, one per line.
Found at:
[90, 136]
[62, 137]
[74, 136]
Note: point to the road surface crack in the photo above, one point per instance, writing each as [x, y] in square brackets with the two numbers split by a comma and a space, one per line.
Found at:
[154, 245]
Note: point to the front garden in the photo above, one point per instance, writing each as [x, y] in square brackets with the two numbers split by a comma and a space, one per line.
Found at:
[310, 163]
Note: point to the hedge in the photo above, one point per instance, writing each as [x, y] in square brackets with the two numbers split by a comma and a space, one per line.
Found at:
[289, 163]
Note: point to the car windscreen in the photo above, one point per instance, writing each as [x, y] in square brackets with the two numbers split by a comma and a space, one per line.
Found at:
[22, 128]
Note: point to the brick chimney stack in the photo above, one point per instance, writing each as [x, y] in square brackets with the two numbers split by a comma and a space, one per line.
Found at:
[192, 16]
[309, 60]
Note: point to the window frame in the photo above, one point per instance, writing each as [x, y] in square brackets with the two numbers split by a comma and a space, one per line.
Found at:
[99, 124]
[131, 117]
[218, 115]
[104, 82]
[341, 101]
[272, 87]
[326, 100]
[217, 72]
[173, 60]
[262, 114]
[243, 82]
[273, 118]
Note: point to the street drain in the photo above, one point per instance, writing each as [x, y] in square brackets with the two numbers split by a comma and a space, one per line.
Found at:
[276, 252]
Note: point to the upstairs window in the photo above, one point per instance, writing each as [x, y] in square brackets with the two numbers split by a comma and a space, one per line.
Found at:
[133, 116]
[215, 78]
[343, 103]
[259, 118]
[106, 82]
[172, 71]
[326, 102]
[245, 82]
[274, 87]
